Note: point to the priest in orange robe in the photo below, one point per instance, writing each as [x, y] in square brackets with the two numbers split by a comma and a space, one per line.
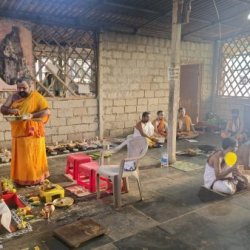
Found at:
[185, 128]
[160, 125]
[29, 162]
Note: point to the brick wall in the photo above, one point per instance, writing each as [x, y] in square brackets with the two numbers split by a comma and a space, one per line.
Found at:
[71, 119]
[201, 53]
[134, 77]
[224, 105]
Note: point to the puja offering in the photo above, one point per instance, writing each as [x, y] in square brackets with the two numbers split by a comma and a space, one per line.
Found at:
[34, 198]
[23, 211]
[50, 191]
[5, 156]
[63, 202]
[71, 146]
[7, 185]
[48, 210]
[22, 225]
[74, 146]
[47, 185]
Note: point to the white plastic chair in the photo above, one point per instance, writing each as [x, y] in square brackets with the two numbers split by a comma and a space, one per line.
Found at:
[136, 148]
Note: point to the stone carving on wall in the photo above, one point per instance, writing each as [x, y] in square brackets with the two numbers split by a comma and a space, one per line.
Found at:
[12, 61]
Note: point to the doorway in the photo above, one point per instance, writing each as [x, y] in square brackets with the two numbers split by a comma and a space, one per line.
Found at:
[190, 90]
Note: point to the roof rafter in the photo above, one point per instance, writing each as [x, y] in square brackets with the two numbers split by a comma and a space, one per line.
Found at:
[129, 7]
[214, 23]
[65, 21]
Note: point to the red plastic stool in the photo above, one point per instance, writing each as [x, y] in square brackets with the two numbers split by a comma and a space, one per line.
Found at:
[87, 176]
[73, 162]
[12, 200]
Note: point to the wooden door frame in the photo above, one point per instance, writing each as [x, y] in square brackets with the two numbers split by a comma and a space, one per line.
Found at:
[200, 68]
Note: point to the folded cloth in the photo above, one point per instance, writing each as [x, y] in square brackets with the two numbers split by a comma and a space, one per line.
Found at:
[5, 215]
[129, 166]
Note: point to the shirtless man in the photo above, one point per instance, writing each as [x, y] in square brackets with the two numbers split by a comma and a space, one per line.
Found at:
[146, 129]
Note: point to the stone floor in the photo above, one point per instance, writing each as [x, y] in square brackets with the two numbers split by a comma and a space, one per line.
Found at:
[170, 217]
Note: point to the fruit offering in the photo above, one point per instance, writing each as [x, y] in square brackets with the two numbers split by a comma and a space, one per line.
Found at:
[47, 185]
[23, 211]
[33, 198]
[22, 225]
[7, 185]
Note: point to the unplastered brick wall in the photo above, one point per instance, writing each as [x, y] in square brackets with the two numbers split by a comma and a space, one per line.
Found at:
[134, 77]
[224, 105]
[5, 134]
[71, 119]
[201, 53]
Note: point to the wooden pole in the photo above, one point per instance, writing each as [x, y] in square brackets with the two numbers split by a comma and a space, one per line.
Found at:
[59, 79]
[215, 72]
[174, 82]
[100, 88]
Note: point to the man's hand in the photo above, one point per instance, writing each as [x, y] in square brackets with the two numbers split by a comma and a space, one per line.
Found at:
[154, 139]
[14, 111]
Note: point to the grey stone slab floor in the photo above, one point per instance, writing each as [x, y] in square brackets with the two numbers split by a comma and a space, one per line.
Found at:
[171, 216]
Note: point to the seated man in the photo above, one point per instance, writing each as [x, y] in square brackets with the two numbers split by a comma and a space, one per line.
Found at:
[234, 126]
[145, 128]
[160, 125]
[218, 176]
[185, 128]
[222, 178]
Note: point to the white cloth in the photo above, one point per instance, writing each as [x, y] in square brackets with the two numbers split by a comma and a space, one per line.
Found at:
[129, 166]
[180, 124]
[6, 215]
[235, 125]
[147, 128]
[223, 186]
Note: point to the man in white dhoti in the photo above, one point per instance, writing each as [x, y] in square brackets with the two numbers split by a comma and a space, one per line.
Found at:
[145, 128]
[218, 176]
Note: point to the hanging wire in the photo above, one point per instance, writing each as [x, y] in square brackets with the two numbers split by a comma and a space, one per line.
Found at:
[218, 48]
[218, 16]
